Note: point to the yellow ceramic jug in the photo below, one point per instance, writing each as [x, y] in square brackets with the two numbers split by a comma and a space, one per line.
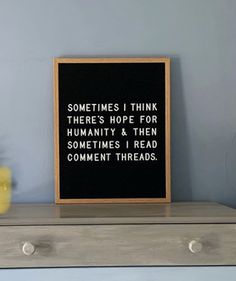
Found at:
[5, 189]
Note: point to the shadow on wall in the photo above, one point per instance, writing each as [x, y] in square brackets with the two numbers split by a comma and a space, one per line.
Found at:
[180, 142]
[230, 176]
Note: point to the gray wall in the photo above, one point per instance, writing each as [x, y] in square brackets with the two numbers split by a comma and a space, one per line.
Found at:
[122, 274]
[199, 36]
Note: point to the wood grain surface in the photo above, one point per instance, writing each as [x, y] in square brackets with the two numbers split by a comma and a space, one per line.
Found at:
[41, 214]
[118, 245]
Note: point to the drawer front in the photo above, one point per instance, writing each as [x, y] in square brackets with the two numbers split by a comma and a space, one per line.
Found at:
[117, 245]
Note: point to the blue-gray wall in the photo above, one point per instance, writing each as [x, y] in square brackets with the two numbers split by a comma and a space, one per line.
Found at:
[122, 274]
[199, 36]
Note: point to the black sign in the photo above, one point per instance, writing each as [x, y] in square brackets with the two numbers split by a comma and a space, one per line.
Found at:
[112, 130]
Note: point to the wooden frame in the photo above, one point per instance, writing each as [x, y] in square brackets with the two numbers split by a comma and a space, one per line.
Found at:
[164, 60]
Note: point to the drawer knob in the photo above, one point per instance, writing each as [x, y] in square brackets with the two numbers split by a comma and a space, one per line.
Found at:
[28, 248]
[195, 246]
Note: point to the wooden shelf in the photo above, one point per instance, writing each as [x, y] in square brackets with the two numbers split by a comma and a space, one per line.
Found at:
[47, 235]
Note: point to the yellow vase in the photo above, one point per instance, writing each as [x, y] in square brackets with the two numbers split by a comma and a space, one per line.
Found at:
[5, 189]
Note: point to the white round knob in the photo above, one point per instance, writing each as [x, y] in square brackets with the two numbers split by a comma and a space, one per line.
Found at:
[195, 246]
[28, 248]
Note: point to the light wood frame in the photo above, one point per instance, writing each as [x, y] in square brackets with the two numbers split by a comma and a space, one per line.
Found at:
[164, 60]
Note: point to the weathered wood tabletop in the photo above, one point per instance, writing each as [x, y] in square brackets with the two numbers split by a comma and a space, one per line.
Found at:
[27, 214]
